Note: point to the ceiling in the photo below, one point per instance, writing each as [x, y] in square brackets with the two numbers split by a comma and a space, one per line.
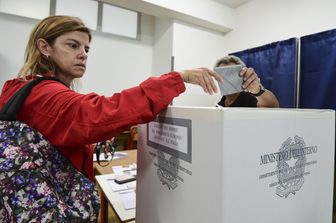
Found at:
[232, 3]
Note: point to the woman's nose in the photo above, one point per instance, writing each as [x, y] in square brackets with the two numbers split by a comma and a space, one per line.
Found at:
[83, 53]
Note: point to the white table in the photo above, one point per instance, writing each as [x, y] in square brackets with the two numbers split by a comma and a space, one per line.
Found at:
[114, 199]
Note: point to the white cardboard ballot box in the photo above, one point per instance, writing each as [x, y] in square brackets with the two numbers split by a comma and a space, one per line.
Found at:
[236, 165]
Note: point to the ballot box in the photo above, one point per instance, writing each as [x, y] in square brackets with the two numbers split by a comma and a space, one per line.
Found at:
[236, 165]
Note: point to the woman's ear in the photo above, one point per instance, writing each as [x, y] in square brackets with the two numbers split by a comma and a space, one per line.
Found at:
[43, 47]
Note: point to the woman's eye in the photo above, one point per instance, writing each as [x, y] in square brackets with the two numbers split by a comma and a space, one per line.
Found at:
[73, 45]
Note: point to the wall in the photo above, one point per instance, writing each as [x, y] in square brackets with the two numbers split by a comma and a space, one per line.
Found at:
[195, 47]
[264, 21]
[14, 37]
[206, 13]
[162, 46]
[257, 22]
[114, 62]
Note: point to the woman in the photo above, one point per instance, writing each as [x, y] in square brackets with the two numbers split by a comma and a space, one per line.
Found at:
[58, 46]
[254, 94]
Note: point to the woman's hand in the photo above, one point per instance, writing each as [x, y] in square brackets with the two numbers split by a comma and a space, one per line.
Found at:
[202, 77]
[252, 84]
[251, 80]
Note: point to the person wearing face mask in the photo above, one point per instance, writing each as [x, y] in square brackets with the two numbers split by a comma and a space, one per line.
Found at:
[254, 94]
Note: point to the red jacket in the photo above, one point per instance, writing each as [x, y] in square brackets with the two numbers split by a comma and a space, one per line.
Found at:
[71, 121]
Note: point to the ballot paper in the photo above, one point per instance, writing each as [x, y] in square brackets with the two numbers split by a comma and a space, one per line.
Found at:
[128, 199]
[232, 81]
[117, 187]
[123, 170]
[126, 192]
[120, 187]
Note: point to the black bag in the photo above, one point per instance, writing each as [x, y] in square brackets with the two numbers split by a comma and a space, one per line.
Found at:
[38, 184]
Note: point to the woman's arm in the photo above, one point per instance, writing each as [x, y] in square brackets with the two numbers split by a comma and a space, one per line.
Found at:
[267, 99]
[68, 118]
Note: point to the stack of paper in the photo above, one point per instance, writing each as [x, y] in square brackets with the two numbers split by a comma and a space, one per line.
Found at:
[125, 191]
[120, 170]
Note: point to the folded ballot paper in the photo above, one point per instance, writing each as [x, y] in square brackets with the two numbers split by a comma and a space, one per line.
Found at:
[232, 81]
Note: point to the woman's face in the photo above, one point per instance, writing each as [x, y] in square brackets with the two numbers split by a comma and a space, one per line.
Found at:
[69, 53]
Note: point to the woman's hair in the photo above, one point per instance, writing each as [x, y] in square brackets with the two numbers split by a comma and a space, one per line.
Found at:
[48, 29]
[227, 60]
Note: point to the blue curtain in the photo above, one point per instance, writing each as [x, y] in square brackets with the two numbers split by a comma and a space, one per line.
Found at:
[318, 70]
[275, 64]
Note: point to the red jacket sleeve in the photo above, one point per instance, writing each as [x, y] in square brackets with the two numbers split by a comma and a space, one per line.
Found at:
[68, 118]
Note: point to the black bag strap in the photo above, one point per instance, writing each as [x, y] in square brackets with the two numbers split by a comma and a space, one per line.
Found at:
[11, 108]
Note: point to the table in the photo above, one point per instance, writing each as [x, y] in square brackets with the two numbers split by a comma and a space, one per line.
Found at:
[107, 195]
[131, 158]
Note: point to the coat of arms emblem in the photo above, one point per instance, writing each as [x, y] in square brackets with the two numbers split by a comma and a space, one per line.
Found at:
[168, 169]
[291, 178]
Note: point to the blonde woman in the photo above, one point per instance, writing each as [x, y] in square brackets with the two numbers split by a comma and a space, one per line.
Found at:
[59, 47]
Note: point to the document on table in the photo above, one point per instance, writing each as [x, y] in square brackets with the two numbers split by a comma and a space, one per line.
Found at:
[120, 170]
[128, 198]
[116, 187]
[120, 187]
[126, 191]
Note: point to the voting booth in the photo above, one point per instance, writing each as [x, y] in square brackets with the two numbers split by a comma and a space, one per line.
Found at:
[234, 165]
